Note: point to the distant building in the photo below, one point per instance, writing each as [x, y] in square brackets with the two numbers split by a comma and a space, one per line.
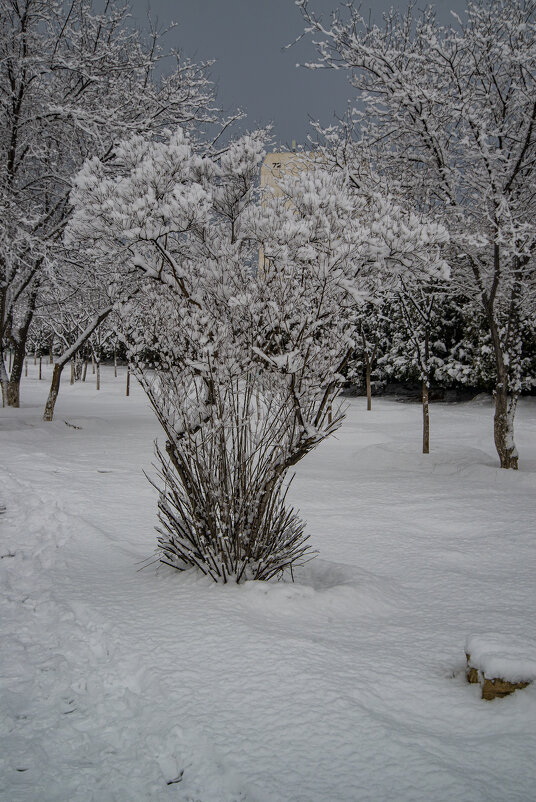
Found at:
[276, 165]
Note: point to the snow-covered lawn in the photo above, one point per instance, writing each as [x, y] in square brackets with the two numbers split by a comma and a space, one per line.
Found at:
[347, 685]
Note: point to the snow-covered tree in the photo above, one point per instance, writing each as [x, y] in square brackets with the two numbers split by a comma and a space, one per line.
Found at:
[241, 364]
[75, 305]
[417, 304]
[449, 115]
[369, 323]
[73, 81]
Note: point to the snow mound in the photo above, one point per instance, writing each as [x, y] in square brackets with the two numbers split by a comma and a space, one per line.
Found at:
[501, 656]
[482, 400]
[325, 588]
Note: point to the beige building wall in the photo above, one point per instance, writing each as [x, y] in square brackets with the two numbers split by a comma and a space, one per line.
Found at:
[276, 165]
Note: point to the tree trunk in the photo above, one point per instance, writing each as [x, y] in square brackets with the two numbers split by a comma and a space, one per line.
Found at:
[13, 394]
[128, 381]
[425, 418]
[425, 394]
[369, 362]
[505, 404]
[77, 368]
[84, 372]
[13, 387]
[369, 385]
[98, 375]
[4, 378]
[40, 368]
[53, 393]
[504, 428]
[115, 364]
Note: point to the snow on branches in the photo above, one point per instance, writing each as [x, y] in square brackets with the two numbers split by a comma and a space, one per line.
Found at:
[74, 81]
[241, 362]
[448, 114]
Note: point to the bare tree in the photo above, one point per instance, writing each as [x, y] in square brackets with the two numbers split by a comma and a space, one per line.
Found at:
[72, 82]
[417, 306]
[369, 326]
[450, 117]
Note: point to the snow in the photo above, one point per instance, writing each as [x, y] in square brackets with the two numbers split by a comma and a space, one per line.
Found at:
[347, 685]
[500, 656]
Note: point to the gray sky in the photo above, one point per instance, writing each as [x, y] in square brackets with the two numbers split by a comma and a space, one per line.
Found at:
[252, 71]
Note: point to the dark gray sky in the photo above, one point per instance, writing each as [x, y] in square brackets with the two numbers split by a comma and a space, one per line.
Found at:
[252, 70]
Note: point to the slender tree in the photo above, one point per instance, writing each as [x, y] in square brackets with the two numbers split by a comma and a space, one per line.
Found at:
[368, 322]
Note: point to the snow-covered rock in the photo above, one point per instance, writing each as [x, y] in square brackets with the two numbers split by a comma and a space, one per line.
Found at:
[501, 656]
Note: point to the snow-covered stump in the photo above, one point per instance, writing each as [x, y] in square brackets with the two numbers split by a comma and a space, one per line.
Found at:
[499, 664]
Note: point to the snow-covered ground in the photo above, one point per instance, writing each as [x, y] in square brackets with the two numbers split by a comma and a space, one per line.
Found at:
[121, 685]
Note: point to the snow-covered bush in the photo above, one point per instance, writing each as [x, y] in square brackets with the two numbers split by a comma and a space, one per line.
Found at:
[248, 357]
